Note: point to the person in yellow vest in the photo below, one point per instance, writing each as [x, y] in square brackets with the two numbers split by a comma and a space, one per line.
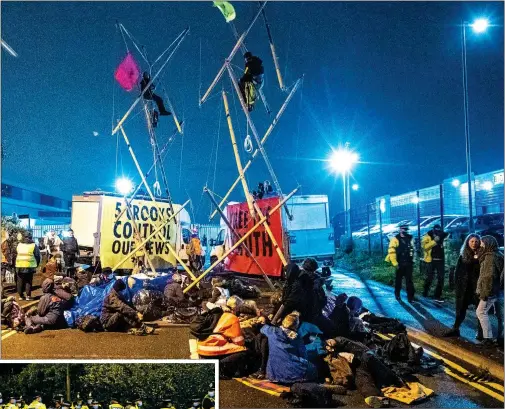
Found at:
[194, 252]
[226, 343]
[27, 261]
[209, 401]
[434, 258]
[167, 404]
[114, 404]
[138, 403]
[37, 403]
[95, 404]
[128, 405]
[21, 403]
[196, 404]
[80, 404]
[12, 403]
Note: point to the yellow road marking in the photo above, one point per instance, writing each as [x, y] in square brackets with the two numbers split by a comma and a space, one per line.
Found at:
[8, 334]
[477, 385]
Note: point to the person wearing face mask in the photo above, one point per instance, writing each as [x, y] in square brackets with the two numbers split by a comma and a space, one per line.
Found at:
[80, 404]
[114, 404]
[196, 404]
[138, 403]
[95, 404]
[37, 403]
[128, 405]
[167, 404]
[11, 404]
[208, 401]
[89, 402]
[65, 405]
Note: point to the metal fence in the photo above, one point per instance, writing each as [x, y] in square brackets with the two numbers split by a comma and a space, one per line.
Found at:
[373, 224]
[40, 231]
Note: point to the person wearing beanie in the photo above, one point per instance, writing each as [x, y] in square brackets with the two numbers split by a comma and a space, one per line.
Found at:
[117, 314]
[287, 357]
[27, 261]
[434, 259]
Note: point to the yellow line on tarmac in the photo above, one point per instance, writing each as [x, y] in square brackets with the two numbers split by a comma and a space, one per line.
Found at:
[8, 334]
[477, 385]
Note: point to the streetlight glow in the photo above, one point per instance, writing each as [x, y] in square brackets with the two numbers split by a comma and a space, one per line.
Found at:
[355, 187]
[343, 160]
[124, 186]
[480, 25]
[487, 185]
[415, 200]
[456, 182]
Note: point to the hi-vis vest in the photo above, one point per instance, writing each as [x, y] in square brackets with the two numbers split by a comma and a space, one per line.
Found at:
[26, 257]
[228, 338]
[115, 406]
[36, 405]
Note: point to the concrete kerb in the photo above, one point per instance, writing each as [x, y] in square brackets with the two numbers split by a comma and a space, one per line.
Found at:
[471, 358]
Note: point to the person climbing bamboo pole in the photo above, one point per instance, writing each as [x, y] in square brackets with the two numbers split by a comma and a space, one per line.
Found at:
[239, 242]
[237, 158]
[155, 203]
[263, 141]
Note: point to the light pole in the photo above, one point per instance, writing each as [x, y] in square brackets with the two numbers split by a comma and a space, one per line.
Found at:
[478, 26]
[342, 161]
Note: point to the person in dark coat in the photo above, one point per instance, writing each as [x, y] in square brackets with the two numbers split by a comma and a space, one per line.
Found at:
[117, 315]
[490, 288]
[295, 292]
[173, 293]
[466, 276]
[150, 95]
[253, 74]
[49, 313]
[70, 252]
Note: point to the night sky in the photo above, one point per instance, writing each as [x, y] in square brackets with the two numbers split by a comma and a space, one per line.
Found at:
[385, 76]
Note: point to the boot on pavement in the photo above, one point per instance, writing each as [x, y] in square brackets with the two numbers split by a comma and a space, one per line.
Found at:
[453, 332]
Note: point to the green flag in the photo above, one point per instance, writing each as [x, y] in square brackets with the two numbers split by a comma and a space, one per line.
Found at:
[226, 9]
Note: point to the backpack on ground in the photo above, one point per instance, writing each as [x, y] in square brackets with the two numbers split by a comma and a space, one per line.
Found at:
[203, 325]
[89, 323]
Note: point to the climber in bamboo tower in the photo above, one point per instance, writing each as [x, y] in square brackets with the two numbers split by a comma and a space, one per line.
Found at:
[253, 75]
[150, 95]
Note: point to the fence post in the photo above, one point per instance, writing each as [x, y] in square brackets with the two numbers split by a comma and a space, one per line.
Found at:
[368, 228]
[380, 226]
[442, 206]
[418, 219]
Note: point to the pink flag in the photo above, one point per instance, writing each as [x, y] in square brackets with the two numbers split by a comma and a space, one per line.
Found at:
[127, 73]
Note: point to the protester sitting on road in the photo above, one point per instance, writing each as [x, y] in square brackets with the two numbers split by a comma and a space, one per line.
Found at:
[117, 315]
[27, 261]
[174, 295]
[356, 326]
[49, 312]
[226, 343]
[219, 294]
[434, 258]
[466, 277]
[287, 358]
[53, 267]
[490, 288]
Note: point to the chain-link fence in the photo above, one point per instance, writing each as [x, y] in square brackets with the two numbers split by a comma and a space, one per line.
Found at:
[373, 224]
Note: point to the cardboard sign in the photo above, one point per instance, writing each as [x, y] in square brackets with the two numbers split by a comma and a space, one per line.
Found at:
[117, 239]
[258, 242]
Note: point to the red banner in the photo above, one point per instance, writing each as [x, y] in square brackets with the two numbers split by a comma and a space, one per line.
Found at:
[259, 242]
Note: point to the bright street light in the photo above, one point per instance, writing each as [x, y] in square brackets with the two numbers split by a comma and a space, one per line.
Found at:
[415, 200]
[355, 187]
[124, 186]
[343, 160]
[456, 182]
[480, 25]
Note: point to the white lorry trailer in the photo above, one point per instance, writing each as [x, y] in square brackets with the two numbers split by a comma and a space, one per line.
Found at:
[103, 239]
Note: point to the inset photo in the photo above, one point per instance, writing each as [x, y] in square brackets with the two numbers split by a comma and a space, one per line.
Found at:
[112, 385]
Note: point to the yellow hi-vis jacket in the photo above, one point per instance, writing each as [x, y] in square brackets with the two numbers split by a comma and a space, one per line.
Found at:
[427, 243]
[115, 406]
[36, 405]
[393, 245]
[227, 338]
[26, 256]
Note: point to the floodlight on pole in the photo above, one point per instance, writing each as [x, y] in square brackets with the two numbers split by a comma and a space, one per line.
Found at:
[124, 186]
[456, 182]
[355, 187]
[480, 25]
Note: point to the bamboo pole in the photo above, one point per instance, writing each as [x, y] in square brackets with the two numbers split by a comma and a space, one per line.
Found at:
[155, 203]
[165, 222]
[125, 116]
[271, 235]
[149, 261]
[239, 242]
[237, 236]
[237, 158]
[146, 176]
[272, 49]
[263, 141]
[258, 141]
[232, 54]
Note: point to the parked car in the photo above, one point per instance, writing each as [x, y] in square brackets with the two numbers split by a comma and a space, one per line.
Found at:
[490, 224]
